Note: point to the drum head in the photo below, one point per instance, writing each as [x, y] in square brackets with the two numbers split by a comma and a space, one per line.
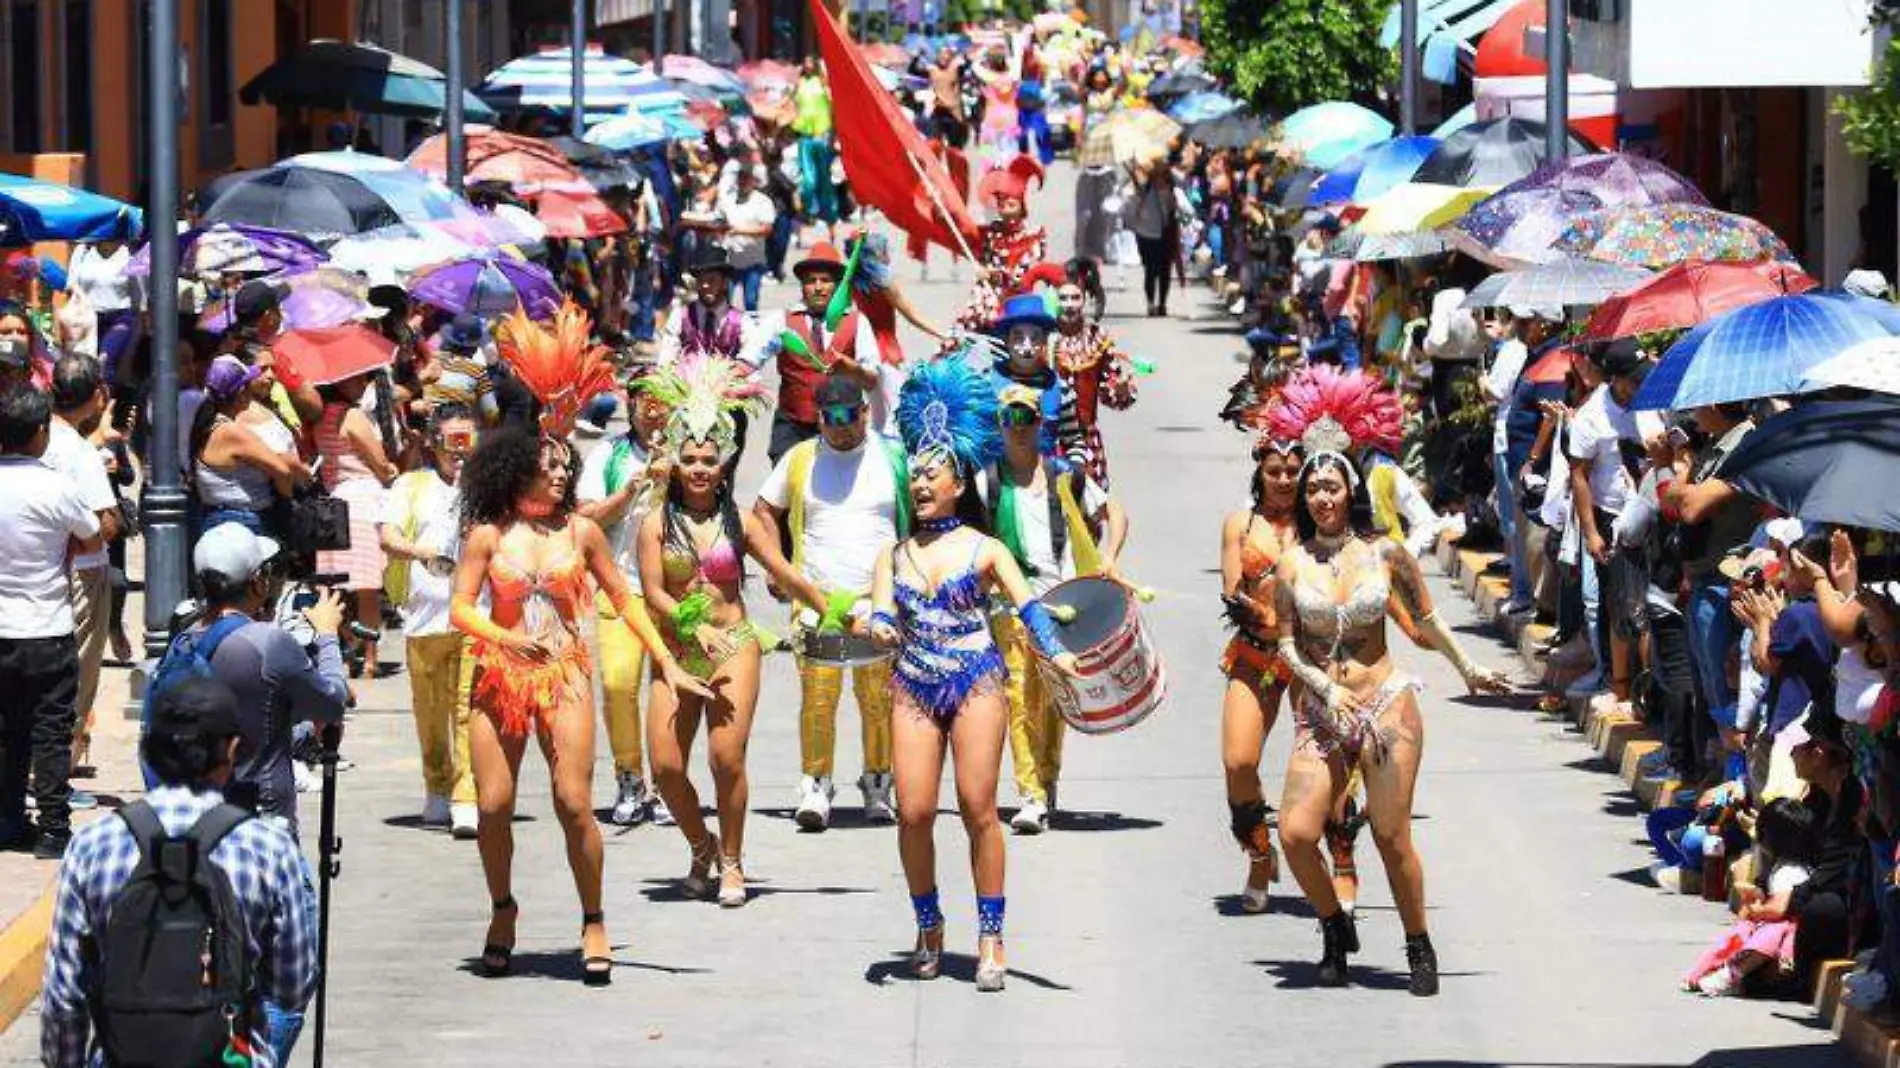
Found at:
[1100, 607]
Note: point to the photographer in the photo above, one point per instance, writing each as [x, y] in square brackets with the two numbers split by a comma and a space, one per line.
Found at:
[277, 682]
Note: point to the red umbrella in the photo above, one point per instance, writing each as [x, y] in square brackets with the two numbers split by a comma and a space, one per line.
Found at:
[706, 114]
[575, 214]
[526, 163]
[329, 354]
[1552, 366]
[1691, 293]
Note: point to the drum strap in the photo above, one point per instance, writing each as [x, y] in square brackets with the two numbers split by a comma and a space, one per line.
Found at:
[1067, 524]
[798, 478]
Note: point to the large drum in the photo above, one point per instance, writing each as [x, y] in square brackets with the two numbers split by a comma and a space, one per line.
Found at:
[1123, 677]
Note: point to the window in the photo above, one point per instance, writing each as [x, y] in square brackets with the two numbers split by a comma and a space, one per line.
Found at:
[216, 63]
[75, 50]
[23, 74]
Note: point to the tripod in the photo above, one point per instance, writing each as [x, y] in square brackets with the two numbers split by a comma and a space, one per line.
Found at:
[328, 866]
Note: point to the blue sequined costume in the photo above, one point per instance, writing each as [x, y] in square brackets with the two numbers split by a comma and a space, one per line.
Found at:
[945, 652]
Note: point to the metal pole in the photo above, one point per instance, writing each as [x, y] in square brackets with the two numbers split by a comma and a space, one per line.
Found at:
[659, 37]
[1556, 79]
[1408, 67]
[577, 76]
[164, 504]
[452, 107]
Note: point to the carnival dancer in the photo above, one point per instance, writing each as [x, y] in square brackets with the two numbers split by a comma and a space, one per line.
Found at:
[931, 597]
[532, 671]
[613, 491]
[1089, 361]
[1008, 246]
[1024, 329]
[692, 545]
[842, 499]
[1057, 523]
[1354, 709]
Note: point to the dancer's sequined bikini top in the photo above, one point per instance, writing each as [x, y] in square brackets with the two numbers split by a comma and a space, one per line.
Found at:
[717, 566]
[1322, 618]
[547, 596]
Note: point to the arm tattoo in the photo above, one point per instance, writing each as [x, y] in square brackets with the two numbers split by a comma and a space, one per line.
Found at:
[1407, 580]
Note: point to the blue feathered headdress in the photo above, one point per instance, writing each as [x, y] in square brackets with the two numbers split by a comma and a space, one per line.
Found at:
[947, 409]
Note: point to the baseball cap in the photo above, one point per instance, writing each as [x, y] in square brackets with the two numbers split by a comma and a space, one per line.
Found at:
[837, 389]
[15, 355]
[257, 297]
[1019, 396]
[227, 376]
[1618, 357]
[463, 334]
[195, 707]
[1785, 531]
[233, 552]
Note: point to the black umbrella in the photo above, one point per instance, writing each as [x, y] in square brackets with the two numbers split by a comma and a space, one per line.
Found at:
[1179, 83]
[1291, 190]
[603, 168]
[316, 203]
[337, 76]
[1825, 462]
[1497, 152]
[1236, 129]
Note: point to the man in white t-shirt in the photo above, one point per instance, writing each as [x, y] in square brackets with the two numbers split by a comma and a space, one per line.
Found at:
[420, 529]
[1058, 524]
[841, 499]
[42, 520]
[611, 491]
[79, 405]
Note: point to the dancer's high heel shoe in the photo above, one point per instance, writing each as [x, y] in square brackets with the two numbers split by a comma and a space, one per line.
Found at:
[926, 961]
[990, 968]
[1254, 897]
[498, 959]
[698, 882]
[595, 970]
[732, 893]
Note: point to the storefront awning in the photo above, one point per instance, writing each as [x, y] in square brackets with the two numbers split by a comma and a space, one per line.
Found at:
[1446, 29]
[608, 12]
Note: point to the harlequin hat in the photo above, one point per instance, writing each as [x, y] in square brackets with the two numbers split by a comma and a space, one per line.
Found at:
[1011, 180]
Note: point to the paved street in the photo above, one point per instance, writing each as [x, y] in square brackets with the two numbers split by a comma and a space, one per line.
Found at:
[1127, 944]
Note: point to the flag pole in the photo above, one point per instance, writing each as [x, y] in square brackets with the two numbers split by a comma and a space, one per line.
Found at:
[936, 200]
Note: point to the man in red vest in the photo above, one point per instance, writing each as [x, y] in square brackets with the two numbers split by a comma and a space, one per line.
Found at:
[795, 419]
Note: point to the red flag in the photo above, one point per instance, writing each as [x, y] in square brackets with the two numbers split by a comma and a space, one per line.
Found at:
[890, 166]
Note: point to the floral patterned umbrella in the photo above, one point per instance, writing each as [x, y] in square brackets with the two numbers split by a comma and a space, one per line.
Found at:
[1667, 234]
[1614, 178]
[1515, 229]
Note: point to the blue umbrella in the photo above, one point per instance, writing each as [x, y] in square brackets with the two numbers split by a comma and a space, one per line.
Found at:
[1761, 350]
[1200, 107]
[1365, 174]
[32, 210]
[624, 133]
[1325, 134]
[545, 79]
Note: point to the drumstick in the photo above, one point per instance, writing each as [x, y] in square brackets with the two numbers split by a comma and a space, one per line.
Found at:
[1144, 594]
[1062, 613]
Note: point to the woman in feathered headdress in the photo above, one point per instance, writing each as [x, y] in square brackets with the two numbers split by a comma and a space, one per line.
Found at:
[931, 593]
[533, 675]
[692, 548]
[1354, 709]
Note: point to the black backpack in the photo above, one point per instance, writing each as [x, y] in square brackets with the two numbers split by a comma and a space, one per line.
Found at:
[175, 981]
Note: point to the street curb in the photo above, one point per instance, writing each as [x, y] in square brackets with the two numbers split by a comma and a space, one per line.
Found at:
[23, 957]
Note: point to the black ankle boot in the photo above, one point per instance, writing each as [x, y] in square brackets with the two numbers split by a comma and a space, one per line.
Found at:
[1339, 936]
[1423, 961]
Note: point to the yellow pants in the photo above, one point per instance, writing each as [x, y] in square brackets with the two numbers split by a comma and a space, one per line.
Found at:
[820, 688]
[622, 674]
[439, 678]
[1035, 729]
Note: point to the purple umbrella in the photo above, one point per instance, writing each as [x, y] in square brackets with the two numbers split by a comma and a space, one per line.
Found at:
[488, 285]
[1520, 224]
[315, 298]
[227, 248]
[1614, 178]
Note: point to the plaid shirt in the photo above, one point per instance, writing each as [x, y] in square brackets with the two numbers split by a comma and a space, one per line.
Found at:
[268, 876]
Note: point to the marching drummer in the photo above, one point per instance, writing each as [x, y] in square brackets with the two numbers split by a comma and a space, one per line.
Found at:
[1058, 524]
[840, 499]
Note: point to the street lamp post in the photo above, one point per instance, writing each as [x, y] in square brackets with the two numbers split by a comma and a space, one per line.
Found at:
[659, 37]
[452, 105]
[1556, 79]
[164, 499]
[1408, 67]
[577, 75]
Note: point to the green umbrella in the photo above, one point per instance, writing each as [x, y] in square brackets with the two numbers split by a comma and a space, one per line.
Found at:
[336, 76]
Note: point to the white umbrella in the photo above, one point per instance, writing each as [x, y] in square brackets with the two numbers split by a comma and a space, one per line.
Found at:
[389, 254]
[1872, 365]
[1564, 282]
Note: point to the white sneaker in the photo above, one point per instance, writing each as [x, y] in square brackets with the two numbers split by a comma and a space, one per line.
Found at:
[660, 814]
[630, 799]
[435, 811]
[1719, 983]
[814, 803]
[301, 775]
[462, 820]
[1586, 686]
[1031, 818]
[1237, 307]
[876, 788]
[1667, 876]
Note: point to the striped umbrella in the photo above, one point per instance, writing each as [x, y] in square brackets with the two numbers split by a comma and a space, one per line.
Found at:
[1556, 285]
[1761, 350]
[545, 79]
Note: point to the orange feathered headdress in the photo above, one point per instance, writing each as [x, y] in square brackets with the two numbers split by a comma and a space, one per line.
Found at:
[558, 363]
[1011, 180]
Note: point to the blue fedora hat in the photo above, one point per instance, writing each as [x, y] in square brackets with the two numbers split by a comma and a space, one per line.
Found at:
[1029, 309]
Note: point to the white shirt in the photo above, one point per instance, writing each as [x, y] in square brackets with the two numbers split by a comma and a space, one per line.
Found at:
[78, 461]
[622, 537]
[1452, 333]
[1032, 514]
[1499, 383]
[1599, 424]
[422, 503]
[746, 250]
[850, 511]
[101, 278]
[40, 512]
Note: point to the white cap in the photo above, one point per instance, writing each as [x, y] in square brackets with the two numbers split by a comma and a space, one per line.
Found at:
[1783, 532]
[1866, 282]
[231, 550]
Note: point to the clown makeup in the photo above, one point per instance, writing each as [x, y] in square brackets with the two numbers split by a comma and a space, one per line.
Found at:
[1026, 343]
[1069, 303]
[649, 419]
[1009, 208]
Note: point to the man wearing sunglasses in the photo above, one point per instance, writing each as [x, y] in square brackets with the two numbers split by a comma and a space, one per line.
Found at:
[842, 499]
[1057, 523]
[1024, 329]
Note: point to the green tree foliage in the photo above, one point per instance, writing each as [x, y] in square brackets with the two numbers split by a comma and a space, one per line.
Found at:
[1870, 119]
[1286, 54]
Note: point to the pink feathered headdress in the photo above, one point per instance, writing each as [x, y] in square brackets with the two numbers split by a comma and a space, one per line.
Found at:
[1329, 410]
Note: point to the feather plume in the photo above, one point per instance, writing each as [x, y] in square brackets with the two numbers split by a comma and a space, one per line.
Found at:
[948, 409]
[703, 392]
[559, 364]
[1321, 398]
